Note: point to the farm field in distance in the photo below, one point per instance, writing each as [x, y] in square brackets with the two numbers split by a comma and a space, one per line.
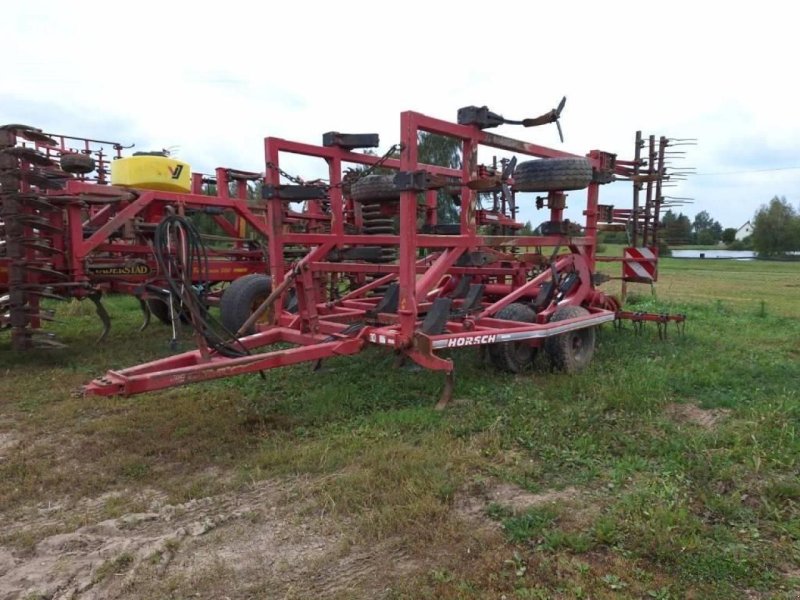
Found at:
[669, 469]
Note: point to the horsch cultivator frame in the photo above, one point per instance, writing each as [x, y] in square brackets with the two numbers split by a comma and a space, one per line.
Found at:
[379, 270]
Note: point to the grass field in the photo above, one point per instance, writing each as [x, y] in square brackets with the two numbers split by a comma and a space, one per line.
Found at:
[668, 470]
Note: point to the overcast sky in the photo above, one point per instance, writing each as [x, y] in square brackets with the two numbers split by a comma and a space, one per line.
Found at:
[214, 79]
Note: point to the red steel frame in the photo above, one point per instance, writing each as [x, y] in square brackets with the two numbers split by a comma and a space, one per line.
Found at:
[323, 325]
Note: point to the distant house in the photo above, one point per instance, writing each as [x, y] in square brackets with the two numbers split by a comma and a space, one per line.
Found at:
[744, 231]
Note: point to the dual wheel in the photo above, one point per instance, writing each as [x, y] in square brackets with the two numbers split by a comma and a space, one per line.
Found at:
[570, 352]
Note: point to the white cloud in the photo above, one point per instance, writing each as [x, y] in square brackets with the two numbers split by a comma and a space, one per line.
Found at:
[216, 78]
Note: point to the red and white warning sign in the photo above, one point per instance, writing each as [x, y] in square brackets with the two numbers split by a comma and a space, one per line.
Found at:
[640, 264]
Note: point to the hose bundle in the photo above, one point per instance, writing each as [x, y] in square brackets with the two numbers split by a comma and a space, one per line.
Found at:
[180, 253]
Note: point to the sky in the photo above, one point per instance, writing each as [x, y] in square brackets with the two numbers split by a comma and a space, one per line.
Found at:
[211, 80]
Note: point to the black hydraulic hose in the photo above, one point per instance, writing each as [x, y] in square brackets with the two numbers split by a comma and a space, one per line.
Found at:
[177, 267]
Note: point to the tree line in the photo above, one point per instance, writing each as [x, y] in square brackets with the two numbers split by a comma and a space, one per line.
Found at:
[679, 230]
[776, 230]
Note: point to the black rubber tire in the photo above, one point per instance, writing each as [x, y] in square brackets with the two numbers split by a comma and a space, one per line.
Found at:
[241, 298]
[552, 174]
[570, 352]
[78, 164]
[514, 357]
[375, 187]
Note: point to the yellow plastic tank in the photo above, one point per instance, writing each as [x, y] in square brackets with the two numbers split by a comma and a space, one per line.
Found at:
[152, 172]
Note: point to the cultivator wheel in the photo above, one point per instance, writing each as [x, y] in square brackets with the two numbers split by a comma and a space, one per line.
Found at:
[375, 188]
[514, 357]
[241, 299]
[572, 351]
[79, 164]
[552, 174]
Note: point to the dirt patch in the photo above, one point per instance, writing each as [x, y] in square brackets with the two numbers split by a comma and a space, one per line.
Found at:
[267, 540]
[690, 413]
[8, 442]
[472, 503]
[791, 572]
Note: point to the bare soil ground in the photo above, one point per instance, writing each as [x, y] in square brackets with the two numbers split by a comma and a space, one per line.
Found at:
[264, 541]
[690, 413]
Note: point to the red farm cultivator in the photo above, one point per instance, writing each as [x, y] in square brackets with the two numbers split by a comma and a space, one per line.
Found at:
[66, 233]
[357, 259]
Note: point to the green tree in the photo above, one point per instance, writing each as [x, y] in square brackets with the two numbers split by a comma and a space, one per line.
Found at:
[705, 229]
[442, 151]
[527, 229]
[729, 235]
[776, 228]
[677, 229]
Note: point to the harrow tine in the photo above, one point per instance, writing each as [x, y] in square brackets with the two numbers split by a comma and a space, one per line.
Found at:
[96, 298]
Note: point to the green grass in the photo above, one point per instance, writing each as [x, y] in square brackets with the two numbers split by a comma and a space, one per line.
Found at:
[664, 506]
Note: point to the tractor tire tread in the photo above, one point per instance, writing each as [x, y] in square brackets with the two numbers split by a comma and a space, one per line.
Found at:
[552, 174]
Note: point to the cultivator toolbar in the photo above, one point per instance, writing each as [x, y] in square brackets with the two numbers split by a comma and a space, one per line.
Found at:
[375, 267]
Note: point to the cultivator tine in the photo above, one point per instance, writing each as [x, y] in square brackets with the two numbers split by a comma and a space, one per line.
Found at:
[146, 313]
[447, 392]
[680, 325]
[96, 298]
